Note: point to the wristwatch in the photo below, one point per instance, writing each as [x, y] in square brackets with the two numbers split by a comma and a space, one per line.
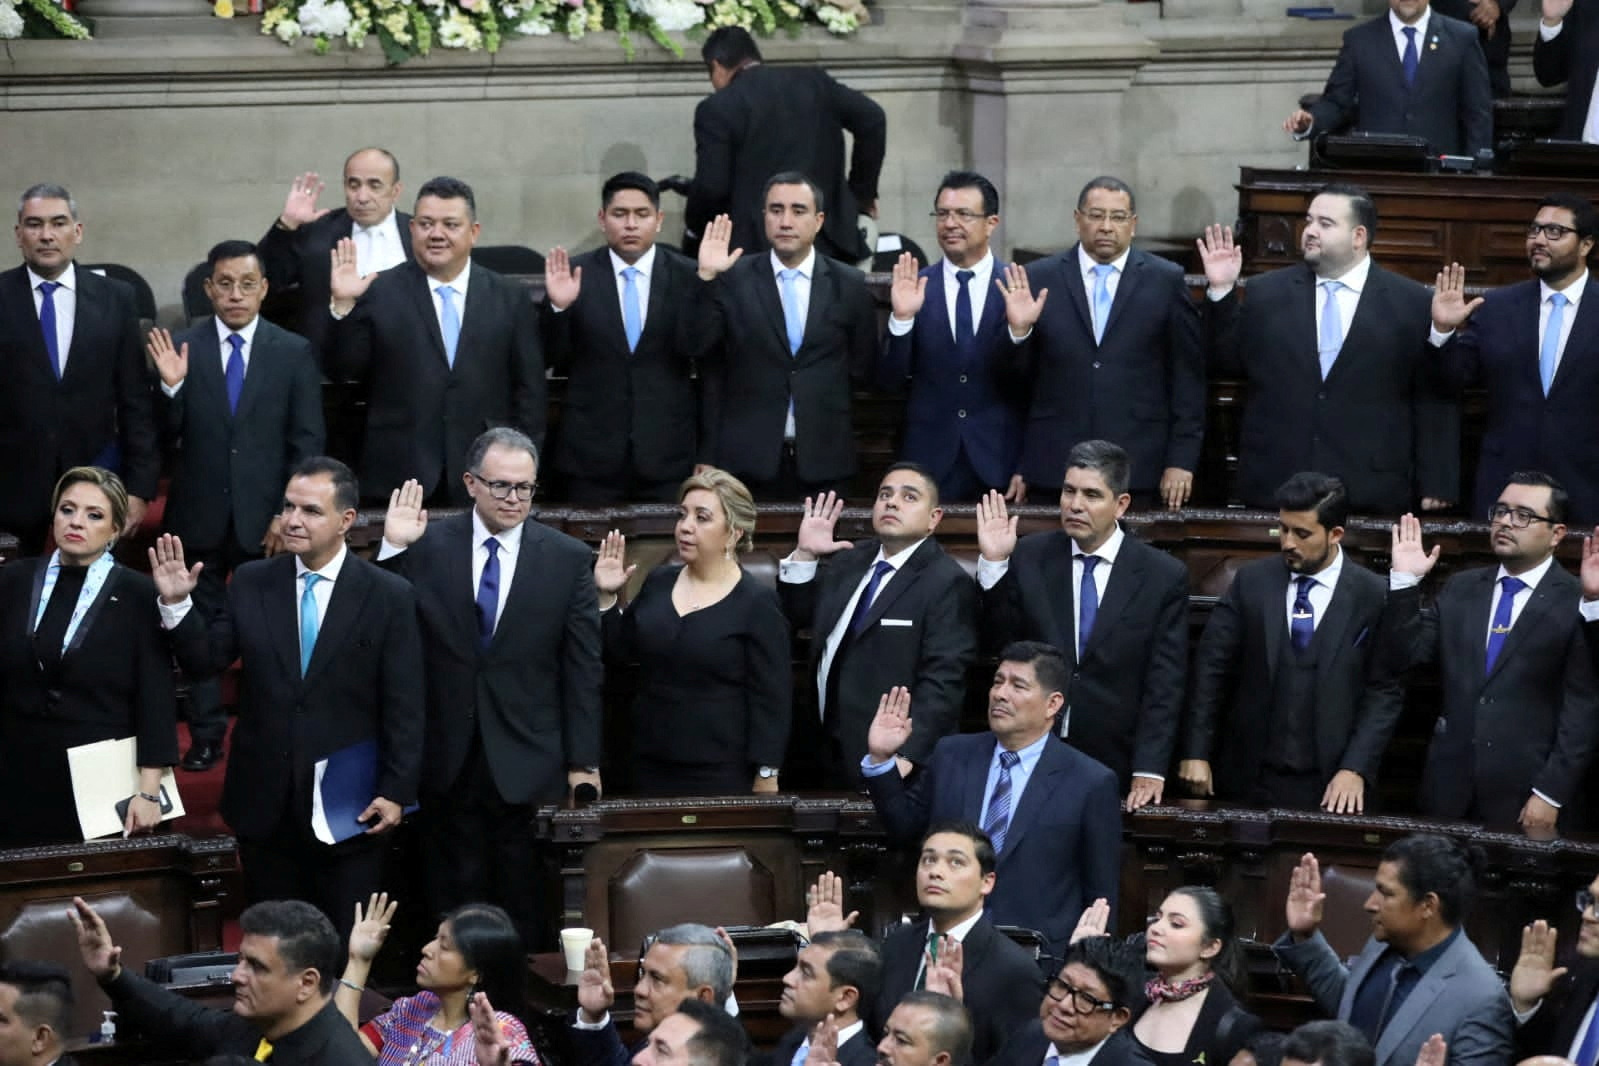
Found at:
[766, 772]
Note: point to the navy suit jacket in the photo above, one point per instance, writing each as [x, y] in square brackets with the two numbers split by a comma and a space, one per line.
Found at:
[957, 394]
[1526, 430]
[1062, 849]
[1572, 57]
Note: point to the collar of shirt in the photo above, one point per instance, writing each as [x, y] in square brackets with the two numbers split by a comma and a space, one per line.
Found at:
[845, 1035]
[1531, 577]
[246, 331]
[1026, 758]
[329, 573]
[1420, 27]
[1423, 961]
[898, 559]
[1106, 552]
[645, 264]
[1572, 292]
[1086, 263]
[1353, 279]
[390, 226]
[981, 271]
[1327, 576]
[962, 929]
[510, 539]
[806, 268]
[1080, 1058]
[458, 283]
[68, 279]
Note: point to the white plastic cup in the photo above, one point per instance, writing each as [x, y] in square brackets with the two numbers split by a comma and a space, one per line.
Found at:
[575, 944]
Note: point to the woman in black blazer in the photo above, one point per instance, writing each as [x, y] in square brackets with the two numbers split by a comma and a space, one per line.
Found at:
[82, 659]
[711, 713]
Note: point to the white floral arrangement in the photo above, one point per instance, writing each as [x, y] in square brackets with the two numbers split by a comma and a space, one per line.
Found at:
[407, 28]
[39, 18]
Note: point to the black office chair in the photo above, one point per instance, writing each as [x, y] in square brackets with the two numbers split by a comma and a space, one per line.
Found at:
[883, 262]
[508, 259]
[143, 295]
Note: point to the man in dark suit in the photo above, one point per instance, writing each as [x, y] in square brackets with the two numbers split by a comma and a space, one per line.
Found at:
[77, 393]
[789, 332]
[1116, 609]
[894, 611]
[1566, 1026]
[1334, 354]
[1288, 699]
[35, 1014]
[444, 348]
[332, 666]
[683, 963]
[1051, 811]
[1534, 346]
[283, 984]
[1085, 1010]
[1412, 71]
[947, 334]
[835, 980]
[626, 342]
[926, 1029]
[297, 250]
[762, 120]
[1567, 50]
[512, 639]
[252, 414]
[1492, 20]
[1519, 720]
[1117, 355]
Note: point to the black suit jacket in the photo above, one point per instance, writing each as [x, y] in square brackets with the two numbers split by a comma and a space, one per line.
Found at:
[302, 257]
[1029, 1046]
[423, 414]
[101, 411]
[1126, 695]
[1230, 712]
[858, 1050]
[1062, 849]
[931, 655]
[364, 682]
[753, 376]
[1450, 105]
[1382, 421]
[1524, 429]
[534, 693]
[1572, 57]
[771, 119]
[641, 406]
[1530, 723]
[231, 467]
[1554, 1028]
[1000, 980]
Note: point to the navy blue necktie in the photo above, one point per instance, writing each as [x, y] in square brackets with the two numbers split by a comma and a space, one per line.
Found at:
[1499, 629]
[1588, 1053]
[1412, 58]
[1303, 625]
[1087, 604]
[488, 592]
[234, 374]
[857, 621]
[963, 309]
[47, 323]
[996, 821]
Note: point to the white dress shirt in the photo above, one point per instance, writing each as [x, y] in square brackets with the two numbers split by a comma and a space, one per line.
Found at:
[246, 332]
[66, 306]
[321, 594]
[957, 932]
[645, 267]
[1081, 1058]
[802, 300]
[1590, 125]
[1085, 266]
[377, 247]
[1397, 27]
[459, 284]
[510, 545]
[1320, 593]
[1354, 283]
[978, 287]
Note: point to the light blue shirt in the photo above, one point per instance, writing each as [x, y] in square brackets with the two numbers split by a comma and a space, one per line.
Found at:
[1019, 773]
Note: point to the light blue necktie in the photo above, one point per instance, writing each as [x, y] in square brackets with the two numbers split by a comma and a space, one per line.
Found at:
[1102, 272]
[1087, 604]
[449, 322]
[996, 822]
[791, 314]
[308, 622]
[1411, 59]
[1330, 339]
[1549, 351]
[632, 322]
[47, 323]
[234, 374]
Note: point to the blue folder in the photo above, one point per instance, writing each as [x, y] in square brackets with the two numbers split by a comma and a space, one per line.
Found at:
[348, 785]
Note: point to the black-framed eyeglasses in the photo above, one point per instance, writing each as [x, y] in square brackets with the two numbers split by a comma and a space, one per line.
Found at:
[959, 214]
[1585, 899]
[501, 490]
[1552, 230]
[1515, 517]
[1082, 1002]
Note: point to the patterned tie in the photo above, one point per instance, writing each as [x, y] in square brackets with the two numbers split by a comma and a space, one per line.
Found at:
[488, 592]
[930, 952]
[234, 374]
[1087, 604]
[632, 321]
[963, 309]
[1500, 627]
[1303, 625]
[449, 322]
[857, 621]
[308, 622]
[1412, 58]
[1102, 272]
[1549, 350]
[791, 313]
[997, 820]
[1331, 337]
[47, 323]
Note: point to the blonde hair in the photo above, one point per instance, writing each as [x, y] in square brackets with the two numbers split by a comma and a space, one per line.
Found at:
[737, 503]
[105, 481]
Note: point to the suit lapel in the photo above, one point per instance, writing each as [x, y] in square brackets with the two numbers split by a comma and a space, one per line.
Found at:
[1333, 635]
[206, 376]
[344, 607]
[82, 356]
[1421, 999]
[1271, 622]
[1060, 595]
[901, 584]
[1477, 617]
[822, 277]
[1370, 323]
[20, 297]
[474, 312]
[420, 290]
[1041, 786]
[1305, 333]
[1072, 278]
[109, 592]
[529, 562]
[1550, 592]
[1132, 278]
[831, 609]
[458, 590]
[1130, 571]
[937, 306]
[1582, 343]
[609, 306]
[260, 367]
[993, 319]
[975, 780]
[768, 299]
[280, 606]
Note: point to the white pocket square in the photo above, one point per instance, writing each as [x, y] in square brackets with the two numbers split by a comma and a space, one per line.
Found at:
[897, 622]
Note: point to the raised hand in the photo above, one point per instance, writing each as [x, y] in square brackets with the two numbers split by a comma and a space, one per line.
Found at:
[891, 726]
[1450, 309]
[561, 282]
[1435, 1052]
[1407, 555]
[1298, 122]
[1345, 794]
[1590, 566]
[714, 255]
[300, 207]
[1022, 308]
[406, 520]
[346, 282]
[171, 363]
[824, 1043]
[816, 528]
[909, 289]
[610, 569]
[1305, 897]
[944, 973]
[489, 1045]
[1554, 12]
[1223, 259]
[1535, 973]
[173, 581]
[996, 528]
[371, 926]
[1195, 773]
[1094, 920]
[595, 993]
[101, 957]
[824, 906]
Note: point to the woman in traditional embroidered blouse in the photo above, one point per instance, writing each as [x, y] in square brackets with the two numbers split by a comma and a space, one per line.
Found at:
[471, 978]
[82, 659]
[1192, 1017]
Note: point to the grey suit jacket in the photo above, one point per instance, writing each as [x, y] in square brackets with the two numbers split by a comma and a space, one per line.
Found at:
[1460, 996]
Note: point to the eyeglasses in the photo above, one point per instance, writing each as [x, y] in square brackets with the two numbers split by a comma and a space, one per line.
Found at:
[247, 287]
[1096, 216]
[501, 490]
[1082, 1002]
[958, 214]
[1552, 230]
[1515, 517]
[1585, 899]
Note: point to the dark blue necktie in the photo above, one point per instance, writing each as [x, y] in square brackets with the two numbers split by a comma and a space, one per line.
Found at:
[997, 819]
[488, 592]
[1303, 625]
[858, 620]
[47, 323]
[235, 371]
[1588, 1053]
[1412, 58]
[1500, 628]
[1087, 604]
[963, 309]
